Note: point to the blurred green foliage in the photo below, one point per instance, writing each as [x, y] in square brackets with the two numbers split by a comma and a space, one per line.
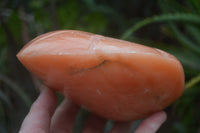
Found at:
[171, 25]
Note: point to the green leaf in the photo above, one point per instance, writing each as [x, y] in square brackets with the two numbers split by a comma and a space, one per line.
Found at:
[90, 4]
[69, 14]
[194, 5]
[95, 23]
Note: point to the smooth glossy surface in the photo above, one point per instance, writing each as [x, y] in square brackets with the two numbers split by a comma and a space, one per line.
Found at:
[115, 79]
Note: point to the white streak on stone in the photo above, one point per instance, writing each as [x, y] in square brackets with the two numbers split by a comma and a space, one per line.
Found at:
[98, 91]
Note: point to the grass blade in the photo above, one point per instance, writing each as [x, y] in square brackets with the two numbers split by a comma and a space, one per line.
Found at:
[80, 120]
[192, 82]
[18, 90]
[194, 32]
[178, 17]
[108, 126]
[4, 98]
[183, 39]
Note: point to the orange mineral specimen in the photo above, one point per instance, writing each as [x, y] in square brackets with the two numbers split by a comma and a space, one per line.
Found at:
[115, 79]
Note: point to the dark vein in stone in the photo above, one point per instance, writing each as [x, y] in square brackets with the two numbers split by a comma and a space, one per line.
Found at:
[91, 68]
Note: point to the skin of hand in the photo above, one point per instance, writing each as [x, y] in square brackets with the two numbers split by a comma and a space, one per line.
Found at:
[45, 117]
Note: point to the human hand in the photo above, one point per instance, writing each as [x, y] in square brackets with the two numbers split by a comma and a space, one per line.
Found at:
[43, 117]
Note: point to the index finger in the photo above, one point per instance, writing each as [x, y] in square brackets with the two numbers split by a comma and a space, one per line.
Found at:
[39, 117]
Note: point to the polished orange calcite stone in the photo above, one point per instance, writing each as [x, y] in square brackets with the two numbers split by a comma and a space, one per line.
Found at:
[112, 78]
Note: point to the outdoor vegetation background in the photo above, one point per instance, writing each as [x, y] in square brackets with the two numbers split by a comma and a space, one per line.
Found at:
[171, 25]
